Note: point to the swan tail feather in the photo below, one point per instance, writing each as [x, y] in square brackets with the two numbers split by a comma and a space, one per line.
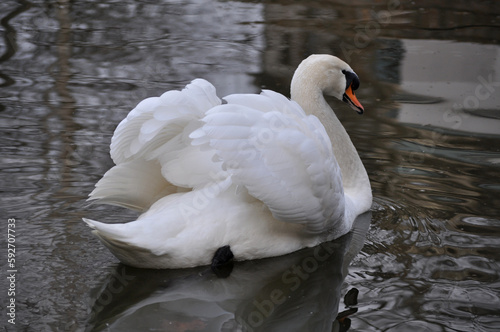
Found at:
[114, 237]
[107, 232]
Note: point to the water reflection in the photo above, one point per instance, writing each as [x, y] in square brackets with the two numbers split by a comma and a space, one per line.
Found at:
[296, 292]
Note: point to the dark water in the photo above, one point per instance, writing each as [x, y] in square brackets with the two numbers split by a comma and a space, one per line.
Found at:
[430, 140]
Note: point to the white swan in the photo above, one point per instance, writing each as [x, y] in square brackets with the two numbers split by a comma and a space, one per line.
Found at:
[260, 175]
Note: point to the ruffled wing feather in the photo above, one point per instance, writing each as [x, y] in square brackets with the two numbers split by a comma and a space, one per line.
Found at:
[282, 156]
[152, 149]
[155, 121]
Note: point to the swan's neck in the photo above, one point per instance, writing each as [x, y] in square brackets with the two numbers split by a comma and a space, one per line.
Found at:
[354, 177]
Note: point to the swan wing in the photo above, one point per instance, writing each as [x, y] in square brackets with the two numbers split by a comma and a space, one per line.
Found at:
[156, 120]
[134, 184]
[152, 151]
[281, 155]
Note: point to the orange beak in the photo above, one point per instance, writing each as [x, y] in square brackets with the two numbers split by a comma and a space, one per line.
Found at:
[350, 98]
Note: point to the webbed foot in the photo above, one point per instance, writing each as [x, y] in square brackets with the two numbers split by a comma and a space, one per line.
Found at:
[222, 262]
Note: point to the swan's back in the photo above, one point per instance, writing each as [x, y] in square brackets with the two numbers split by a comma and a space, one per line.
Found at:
[282, 156]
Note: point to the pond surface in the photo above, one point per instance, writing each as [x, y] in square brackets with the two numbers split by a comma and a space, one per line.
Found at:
[426, 258]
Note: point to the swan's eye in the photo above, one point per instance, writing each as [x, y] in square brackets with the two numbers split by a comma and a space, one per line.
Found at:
[351, 78]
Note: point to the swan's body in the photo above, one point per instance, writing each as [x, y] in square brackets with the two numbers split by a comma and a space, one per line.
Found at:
[260, 173]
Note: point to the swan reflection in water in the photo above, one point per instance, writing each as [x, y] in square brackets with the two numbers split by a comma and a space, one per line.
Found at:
[295, 292]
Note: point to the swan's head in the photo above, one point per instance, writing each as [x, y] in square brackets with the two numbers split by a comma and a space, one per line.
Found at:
[331, 76]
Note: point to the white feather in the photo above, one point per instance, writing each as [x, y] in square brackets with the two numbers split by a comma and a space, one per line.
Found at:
[138, 192]
[257, 173]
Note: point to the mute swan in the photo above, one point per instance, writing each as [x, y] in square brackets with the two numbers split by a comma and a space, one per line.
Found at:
[256, 176]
